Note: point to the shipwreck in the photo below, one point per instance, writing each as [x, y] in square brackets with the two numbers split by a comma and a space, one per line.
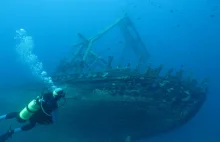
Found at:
[122, 103]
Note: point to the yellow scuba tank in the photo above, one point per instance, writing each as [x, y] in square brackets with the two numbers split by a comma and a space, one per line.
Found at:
[29, 110]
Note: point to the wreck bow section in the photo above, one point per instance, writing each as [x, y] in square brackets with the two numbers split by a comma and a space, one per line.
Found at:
[119, 102]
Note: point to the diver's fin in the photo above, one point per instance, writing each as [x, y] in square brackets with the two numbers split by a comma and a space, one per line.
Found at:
[4, 137]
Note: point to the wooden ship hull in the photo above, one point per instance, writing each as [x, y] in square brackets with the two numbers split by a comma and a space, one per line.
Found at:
[117, 104]
[124, 104]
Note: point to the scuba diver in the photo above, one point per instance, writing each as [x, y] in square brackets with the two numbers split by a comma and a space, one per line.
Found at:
[42, 110]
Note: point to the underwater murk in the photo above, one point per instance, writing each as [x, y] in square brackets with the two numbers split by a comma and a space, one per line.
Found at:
[110, 71]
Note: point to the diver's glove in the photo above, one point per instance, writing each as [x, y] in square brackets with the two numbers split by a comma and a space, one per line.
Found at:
[6, 135]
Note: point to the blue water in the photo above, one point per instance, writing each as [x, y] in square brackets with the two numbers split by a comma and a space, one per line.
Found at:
[176, 32]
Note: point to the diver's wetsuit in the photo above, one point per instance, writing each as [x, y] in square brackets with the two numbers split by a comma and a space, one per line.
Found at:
[42, 110]
[49, 106]
[45, 115]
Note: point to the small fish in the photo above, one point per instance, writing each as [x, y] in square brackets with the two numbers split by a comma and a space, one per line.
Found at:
[134, 6]
[119, 42]
[212, 15]
[215, 8]
[181, 66]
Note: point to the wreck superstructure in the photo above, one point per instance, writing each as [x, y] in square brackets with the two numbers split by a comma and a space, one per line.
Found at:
[84, 58]
[121, 103]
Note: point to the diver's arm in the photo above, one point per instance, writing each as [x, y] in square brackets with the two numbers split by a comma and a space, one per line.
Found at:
[54, 115]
